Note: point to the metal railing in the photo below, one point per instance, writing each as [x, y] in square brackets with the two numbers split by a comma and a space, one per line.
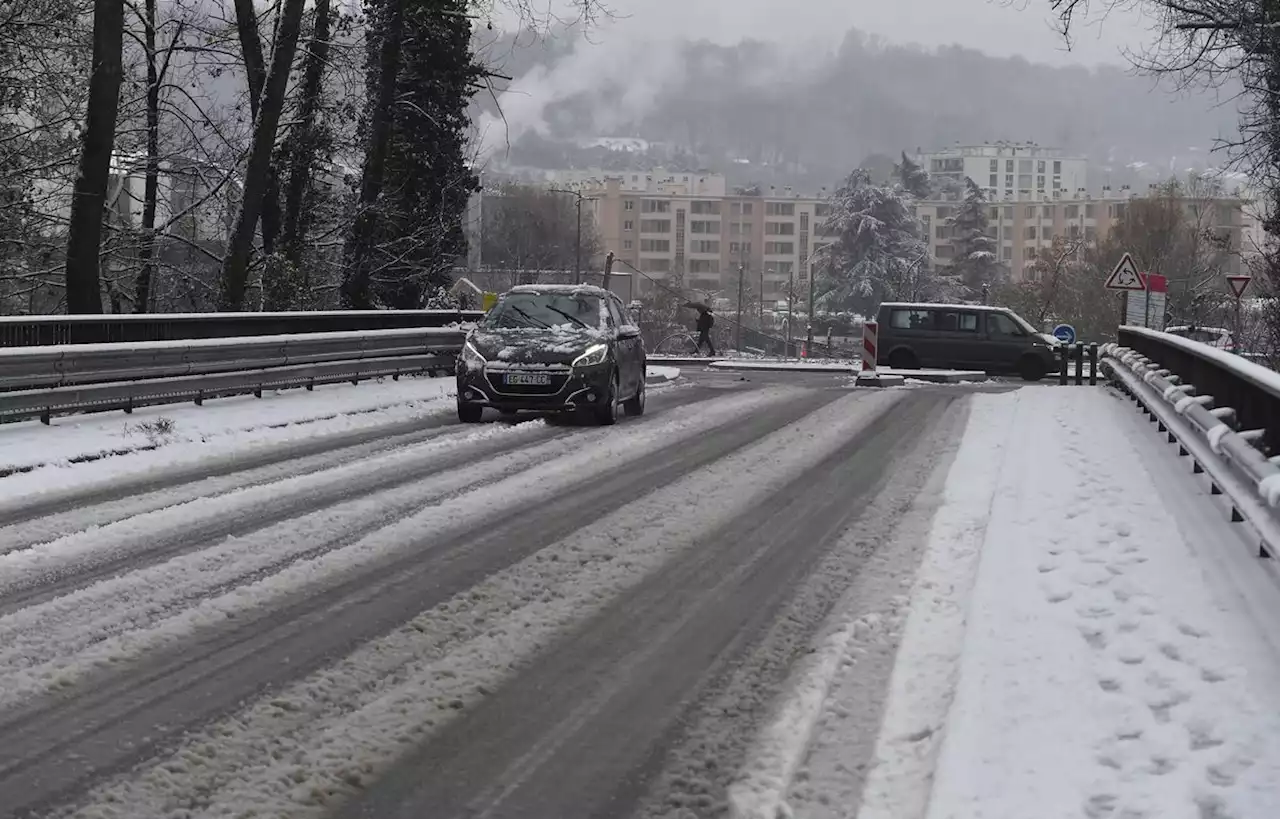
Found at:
[40, 331]
[41, 382]
[1219, 408]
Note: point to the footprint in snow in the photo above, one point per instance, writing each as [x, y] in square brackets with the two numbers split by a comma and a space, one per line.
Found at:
[1201, 737]
[1192, 631]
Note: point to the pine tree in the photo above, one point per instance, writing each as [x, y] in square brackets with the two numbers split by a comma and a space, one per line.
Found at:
[974, 260]
[913, 178]
[879, 252]
[409, 232]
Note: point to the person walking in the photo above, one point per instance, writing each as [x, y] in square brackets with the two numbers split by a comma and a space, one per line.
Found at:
[705, 322]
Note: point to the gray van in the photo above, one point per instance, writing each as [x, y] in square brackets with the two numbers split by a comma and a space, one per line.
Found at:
[963, 336]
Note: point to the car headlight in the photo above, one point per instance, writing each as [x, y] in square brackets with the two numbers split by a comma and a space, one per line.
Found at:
[471, 357]
[594, 354]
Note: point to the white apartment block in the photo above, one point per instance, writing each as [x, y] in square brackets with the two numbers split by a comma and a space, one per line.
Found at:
[1009, 171]
[1022, 229]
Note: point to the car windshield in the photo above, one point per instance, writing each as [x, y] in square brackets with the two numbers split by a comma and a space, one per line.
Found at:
[543, 310]
[1023, 323]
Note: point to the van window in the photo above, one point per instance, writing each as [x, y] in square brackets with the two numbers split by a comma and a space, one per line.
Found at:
[999, 324]
[953, 321]
[911, 320]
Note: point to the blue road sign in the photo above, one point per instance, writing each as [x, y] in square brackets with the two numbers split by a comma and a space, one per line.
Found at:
[1065, 333]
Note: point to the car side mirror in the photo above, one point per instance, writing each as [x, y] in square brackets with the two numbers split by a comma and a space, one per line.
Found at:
[628, 331]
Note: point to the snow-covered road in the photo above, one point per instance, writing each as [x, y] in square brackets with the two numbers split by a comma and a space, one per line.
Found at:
[547, 619]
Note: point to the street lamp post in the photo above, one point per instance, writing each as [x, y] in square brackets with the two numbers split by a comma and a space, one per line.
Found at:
[742, 271]
[577, 248]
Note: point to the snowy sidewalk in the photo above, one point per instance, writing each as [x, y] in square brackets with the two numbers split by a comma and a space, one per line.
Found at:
[1087, 637]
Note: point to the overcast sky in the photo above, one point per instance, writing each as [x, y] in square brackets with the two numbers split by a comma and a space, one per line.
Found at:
[999, 27]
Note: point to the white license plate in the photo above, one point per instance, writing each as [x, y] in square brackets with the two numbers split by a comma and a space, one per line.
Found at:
[530, 379]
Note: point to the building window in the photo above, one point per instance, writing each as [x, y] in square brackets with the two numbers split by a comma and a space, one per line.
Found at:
[1057, 167]
[627, 244]
[655, 225]
[1006, 252]
[993, 213]
[1088, 211]
[705, 246]
[655, 206]
[704, 265]
[628, 204]
[1008, 180]
[1046, 232]
[1031, 211]
[941, 232]
[1029, 232]
[655, 265]
[1024, 166]
[655, 245]
[779, 248]
[1008, 213]
[993, 181]
[1039, 183]
[944, 212]
[628, 225]
[779, 229]
[740, 248]
[1071, 211]
[704, 226]
[1040, 166]
[1024, 181]
[821, 210]
[779, 208]
[1057, 183]
[995, 166]
[705, 208]
[1008, 166]
[739, 228]
[1048, 211]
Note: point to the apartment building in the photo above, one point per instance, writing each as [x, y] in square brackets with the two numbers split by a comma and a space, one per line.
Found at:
[1024, 228]
[1009, 171]
[771, 236]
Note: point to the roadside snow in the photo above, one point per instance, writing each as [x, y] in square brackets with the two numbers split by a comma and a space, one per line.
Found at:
[298, 752]
[183, 433]
[1099, 675]
[664, 373]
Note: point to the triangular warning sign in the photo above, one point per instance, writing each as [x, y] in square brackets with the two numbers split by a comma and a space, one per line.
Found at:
[1238, 284]
[1126, 276]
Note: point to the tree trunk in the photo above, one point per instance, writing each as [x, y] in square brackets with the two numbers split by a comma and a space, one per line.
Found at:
[302, 158]
[235, 270]
[356, 279]
[84, 236]
[142, 290]
[256, 68]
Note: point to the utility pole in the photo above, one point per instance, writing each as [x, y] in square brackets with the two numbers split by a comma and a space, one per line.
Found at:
[791, 298]
[809, 341]
[760, 296]
[577, 250]
[742, 272]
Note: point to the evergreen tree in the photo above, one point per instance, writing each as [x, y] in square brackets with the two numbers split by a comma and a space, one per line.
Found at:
[974, 261]
[913, 178]
[879, 252]
[409, 235]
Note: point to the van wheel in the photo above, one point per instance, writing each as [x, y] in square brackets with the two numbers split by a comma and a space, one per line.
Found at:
[1031, 368]
[903, 360]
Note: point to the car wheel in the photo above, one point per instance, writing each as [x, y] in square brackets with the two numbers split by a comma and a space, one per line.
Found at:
[1031, 368]
[607, 413]
[470, 413]
[635, 406]
[903, 360]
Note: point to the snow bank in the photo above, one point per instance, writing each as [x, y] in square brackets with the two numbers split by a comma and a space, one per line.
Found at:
[296, 753]
[1101, 676]
[154, 437]
[664, 373]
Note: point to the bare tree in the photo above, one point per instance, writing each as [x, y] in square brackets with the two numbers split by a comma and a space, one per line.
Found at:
[85, 235]
[527, 230]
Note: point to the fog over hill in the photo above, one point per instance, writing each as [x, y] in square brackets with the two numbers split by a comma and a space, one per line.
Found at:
[805, 116]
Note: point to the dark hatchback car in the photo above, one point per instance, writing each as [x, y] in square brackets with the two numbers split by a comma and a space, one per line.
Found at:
[553, 348]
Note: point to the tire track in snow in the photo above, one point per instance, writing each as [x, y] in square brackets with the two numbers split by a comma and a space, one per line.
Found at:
[285, 755]
[51, 570]
[114, 703]
[31, 520]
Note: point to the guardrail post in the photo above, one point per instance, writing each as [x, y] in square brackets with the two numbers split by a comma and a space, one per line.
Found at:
[1064, 363]
[1093, 364]
[1079, 351]
[128, 407]
[45, 416]
[199, 398]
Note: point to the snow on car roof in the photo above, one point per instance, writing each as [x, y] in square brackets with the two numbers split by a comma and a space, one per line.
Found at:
[931, 306]
[589, 289]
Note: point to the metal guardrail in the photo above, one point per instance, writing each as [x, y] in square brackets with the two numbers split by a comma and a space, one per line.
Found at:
[41, 382]
[40, 331]
[1218, 438]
